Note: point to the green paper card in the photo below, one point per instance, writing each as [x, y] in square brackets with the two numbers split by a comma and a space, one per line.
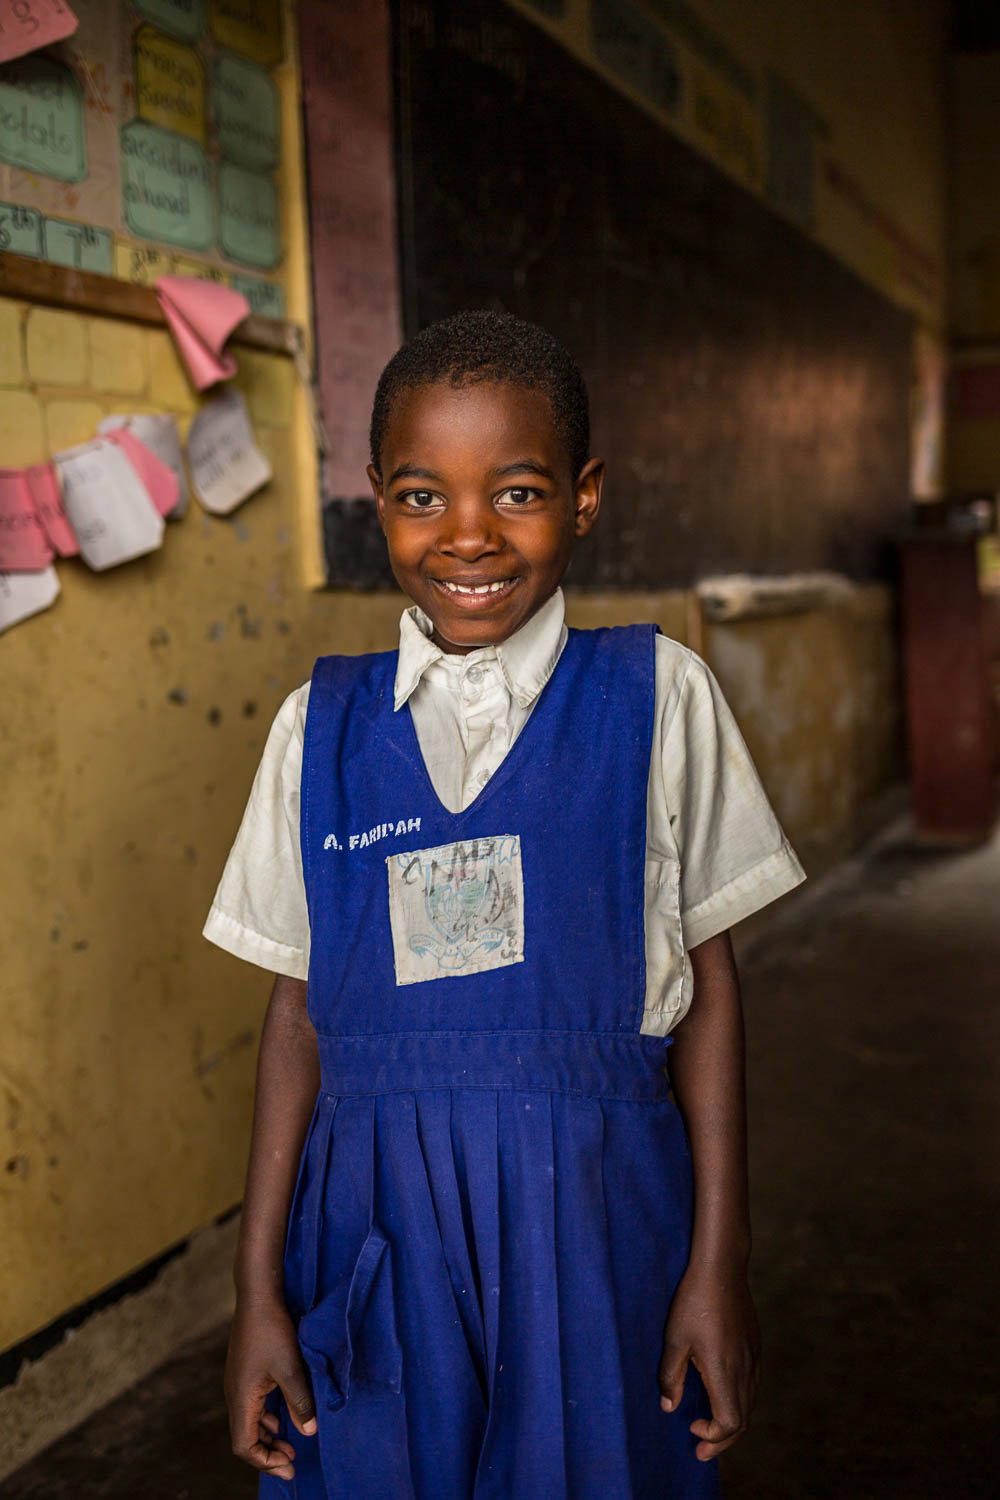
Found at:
[245, 105]
[182, 18]
[248, 217]
[20, 230]
[166, 187]
[41, 118]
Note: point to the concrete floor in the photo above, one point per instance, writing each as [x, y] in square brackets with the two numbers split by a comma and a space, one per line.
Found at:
[873, 1008]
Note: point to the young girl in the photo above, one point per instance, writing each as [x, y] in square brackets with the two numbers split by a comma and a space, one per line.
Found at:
[486, 1253]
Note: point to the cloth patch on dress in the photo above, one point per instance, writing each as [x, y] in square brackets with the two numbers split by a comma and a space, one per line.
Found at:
[457, 909]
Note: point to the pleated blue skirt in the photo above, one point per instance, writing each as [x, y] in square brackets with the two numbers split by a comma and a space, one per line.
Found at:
[482, 1278]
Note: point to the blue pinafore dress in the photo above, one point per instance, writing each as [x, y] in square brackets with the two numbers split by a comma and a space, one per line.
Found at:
[494, 1201]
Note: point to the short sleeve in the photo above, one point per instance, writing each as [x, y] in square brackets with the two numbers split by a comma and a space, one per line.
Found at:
[733, 856]
[259, 912]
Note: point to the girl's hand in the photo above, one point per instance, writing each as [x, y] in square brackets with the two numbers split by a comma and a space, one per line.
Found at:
[264, 1354]
[712, 1323]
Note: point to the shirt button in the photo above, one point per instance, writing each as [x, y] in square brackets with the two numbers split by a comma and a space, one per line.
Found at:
[484, 777]
[475, 674]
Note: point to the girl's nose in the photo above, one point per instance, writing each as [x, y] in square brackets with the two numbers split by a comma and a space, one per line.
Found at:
[470, 531]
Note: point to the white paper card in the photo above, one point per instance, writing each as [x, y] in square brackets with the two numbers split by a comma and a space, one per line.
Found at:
[108, 506]
[226, 464]
[456, 909]
[160, 435]
[24, 594]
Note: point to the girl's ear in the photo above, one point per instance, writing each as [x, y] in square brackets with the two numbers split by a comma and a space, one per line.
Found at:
[375, 480]
[587, 495]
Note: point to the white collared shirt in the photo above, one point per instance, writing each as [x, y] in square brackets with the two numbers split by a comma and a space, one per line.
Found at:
[714, 850]
[469, 710]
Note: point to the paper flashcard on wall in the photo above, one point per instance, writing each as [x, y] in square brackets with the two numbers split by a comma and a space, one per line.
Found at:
[26, 594]
[26, 25]
[44, 486]
[159, 480]
[159, 434]
[24, 545]
[108, 506]
[201, 315]
[226, 464]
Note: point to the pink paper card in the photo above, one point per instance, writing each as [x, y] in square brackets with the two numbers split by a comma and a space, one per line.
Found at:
[44, 486]
[24, 546]
[201, 315]
[26, 25]
[159, 480]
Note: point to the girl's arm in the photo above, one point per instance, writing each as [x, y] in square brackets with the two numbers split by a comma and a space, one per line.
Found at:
[263, 1349]
[712, 1320]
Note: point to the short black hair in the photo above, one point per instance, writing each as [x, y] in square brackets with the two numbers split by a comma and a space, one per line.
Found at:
[483, 345]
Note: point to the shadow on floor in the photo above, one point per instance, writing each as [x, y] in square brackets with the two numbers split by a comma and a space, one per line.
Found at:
[873, 1015]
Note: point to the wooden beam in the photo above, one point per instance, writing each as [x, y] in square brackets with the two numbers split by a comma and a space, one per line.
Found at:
[83, 291]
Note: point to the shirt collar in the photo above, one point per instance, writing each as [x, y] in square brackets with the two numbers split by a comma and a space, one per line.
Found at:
[527, 658]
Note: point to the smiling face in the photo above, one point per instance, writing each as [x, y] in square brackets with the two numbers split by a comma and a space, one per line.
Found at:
[479, 506]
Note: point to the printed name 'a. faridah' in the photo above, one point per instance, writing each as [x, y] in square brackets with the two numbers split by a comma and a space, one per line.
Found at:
[372, 835]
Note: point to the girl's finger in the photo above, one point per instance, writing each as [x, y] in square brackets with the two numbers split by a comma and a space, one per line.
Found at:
[297, 1392]
[716, 1435]
[269, 1440]
[272, 1460]
[673, 1368]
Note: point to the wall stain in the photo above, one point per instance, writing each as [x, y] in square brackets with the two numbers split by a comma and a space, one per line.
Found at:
[204, 1066]
[23, 1088]
[177, 695]
[249, 624]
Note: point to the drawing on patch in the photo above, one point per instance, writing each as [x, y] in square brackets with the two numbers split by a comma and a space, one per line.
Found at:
[456, 909]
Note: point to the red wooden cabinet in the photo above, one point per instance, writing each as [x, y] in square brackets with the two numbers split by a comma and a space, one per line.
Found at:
[950, 713]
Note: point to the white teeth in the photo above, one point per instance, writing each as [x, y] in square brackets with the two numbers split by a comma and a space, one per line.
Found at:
[481, 588]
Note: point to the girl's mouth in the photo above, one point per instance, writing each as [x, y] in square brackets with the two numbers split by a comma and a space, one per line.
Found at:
[472, 594]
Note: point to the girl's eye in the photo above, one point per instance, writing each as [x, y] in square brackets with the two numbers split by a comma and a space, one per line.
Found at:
[519, 495]
[419, 499]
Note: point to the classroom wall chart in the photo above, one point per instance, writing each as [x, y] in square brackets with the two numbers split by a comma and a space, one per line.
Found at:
[147, 143]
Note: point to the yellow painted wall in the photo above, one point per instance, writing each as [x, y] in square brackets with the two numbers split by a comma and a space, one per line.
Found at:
[137, 709]
[817, 699]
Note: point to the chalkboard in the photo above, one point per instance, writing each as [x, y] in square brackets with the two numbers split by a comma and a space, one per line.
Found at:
[749, 393]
